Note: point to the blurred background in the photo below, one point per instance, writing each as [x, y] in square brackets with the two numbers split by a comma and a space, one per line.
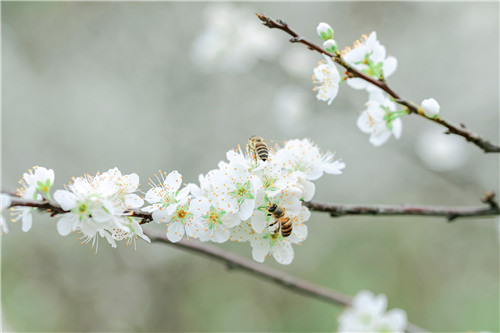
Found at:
[173, 86]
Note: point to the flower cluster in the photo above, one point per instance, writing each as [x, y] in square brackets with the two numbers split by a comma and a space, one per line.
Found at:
[368, 314]
[380, 119]
[231, 203]
[248, 198]
[97, 206]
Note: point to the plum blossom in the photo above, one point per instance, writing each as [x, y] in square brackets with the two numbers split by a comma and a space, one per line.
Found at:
[97, 207]
[237, 188]
[305, 157]
[165, 197]
[380, 119]
[41, 180]
[327, 78]
[368, 314]
[369, 57]
[273, 243]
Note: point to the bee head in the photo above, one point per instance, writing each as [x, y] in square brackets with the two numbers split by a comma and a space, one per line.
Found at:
[271, 208]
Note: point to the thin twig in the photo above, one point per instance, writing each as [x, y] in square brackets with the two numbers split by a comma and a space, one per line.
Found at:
[490, 208]
[451, 213]
[484, 144]
[266, 273]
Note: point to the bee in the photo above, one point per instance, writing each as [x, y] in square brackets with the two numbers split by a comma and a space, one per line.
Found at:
[258, 148]
[278, 214]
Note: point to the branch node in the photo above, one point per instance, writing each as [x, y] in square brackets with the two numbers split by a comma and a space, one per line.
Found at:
[297, 40]
[489, 198]
[283, 23]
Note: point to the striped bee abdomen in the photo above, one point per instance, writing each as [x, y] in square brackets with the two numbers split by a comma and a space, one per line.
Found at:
[262, 150]
[286, 227]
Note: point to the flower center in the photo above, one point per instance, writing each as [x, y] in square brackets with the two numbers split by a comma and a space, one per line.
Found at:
[82, 208]
[214, 218]
[181, 214]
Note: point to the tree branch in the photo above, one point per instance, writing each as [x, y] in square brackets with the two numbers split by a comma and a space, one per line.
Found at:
[266, 273]
[484, 144]
[451, 213]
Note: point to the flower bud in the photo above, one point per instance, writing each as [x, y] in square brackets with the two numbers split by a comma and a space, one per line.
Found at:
[325, 32]
[430, 107]
[330, 46]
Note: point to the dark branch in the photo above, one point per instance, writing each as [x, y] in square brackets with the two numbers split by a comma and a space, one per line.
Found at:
[490, 208]
[485, 145]
[451, 213]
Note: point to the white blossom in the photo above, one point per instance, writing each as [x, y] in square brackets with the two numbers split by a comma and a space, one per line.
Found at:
[273, 243]
[369, 57]
[378, 119]
[41, 180]
[305, 157]
[430, 107]
[327, 76]
[5, 202]
[441, 152]
[232, 40]
[165, 197]
[368, 314]
[237, 188]
[97, 207]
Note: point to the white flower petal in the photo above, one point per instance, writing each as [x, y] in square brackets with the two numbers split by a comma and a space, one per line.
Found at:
[259, 222]
[246, 209]
[260, 249]
[161, 216]
[66, 223]
[389, 66]
[133, 201]
[173, 181]
[66, 199]
[175, 232]
[27, 219]
[357, 83]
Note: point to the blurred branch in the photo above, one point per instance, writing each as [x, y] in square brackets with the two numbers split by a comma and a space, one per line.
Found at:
[266, 273]
[451, 213]
[485, 145]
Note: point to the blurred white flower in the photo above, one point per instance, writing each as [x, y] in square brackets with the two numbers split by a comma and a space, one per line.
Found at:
[430, 107]
[5, 202]
[379, 119]
[324, 31]
[232, 40]
[369, 57]
[441, 152]
[368, 314]
[327, 76]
